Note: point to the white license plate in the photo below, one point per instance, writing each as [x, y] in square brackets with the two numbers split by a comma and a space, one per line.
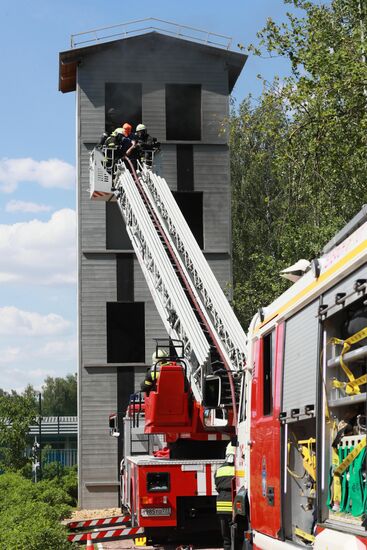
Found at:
[150, 512]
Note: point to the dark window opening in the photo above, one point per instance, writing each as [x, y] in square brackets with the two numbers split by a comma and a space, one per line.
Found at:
[268, 372]
[125, 277]
[183, 112]
[116, 234]
[158, 482]
[185, 168]
[123, 103]
[191, 206]
[125, 332]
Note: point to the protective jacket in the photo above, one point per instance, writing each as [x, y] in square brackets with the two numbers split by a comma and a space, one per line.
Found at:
[150, 379]
[223, 484]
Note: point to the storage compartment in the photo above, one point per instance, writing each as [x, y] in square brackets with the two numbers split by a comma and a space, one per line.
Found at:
[299, 488]
[343, 495]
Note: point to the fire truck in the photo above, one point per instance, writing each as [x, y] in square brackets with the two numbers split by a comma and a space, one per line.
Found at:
[301, 454]
[291, 395]
[193, 406]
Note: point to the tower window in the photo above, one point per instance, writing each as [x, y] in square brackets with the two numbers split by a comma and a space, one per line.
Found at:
[183, 112]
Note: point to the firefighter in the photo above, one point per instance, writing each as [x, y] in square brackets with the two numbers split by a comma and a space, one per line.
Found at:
[144, 145]
[150, 381]
[223, 484]
[120, 141]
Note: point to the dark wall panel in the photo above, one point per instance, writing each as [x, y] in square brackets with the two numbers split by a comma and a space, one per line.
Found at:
[183, 112]
[191, 205]
[185, 168]
[116, 234]
[125, 277]
[125, 332]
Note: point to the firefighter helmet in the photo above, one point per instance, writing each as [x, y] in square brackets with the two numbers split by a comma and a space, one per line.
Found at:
[140, 127]
[159, 354]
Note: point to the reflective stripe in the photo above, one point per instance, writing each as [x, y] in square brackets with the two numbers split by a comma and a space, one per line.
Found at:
[225, 471]
[147, 383]
[224, 506]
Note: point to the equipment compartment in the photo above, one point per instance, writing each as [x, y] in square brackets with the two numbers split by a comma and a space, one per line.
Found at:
[343, 416]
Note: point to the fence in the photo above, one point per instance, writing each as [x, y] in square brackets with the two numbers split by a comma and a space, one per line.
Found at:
[66, 457]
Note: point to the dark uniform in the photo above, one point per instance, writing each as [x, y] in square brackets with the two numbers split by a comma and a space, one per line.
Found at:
[117, 144]
[144, 145]
[223, 484]
[150, 381]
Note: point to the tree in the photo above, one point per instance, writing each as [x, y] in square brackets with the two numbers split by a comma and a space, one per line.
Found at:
[59, 396]
[299, 156]
[17, 413]
[30, 514]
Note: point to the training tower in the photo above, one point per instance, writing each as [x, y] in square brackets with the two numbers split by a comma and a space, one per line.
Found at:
[177, 81]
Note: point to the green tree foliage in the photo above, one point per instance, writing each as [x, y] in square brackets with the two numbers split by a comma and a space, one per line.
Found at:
[17, 413]
[299, 155]
[59, 396]
[30, 514]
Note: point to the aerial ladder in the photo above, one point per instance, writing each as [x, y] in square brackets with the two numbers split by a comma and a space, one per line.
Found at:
[188, 297]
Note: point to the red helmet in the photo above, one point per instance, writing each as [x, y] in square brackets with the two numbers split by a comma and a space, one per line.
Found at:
[127, 128]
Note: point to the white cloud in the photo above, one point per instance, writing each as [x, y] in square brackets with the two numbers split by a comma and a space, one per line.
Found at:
[47, 173]
[22, 206]
[60, 349]
[9, 355]
[40, 252]
[14, 321]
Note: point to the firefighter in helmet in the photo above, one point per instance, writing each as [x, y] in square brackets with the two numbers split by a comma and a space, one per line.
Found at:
[150, 381]
[144, 146]
[120, 142]
[223, 484]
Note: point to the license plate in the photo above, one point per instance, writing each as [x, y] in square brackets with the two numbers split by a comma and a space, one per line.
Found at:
[150, 512]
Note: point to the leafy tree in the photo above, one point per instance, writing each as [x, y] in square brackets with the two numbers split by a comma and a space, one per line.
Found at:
[17, 413]
[299, 156]
[30, 514]
[59, 396]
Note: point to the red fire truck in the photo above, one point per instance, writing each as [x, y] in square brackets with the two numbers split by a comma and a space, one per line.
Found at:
[301, 454]
[293, 398]
[195, 399]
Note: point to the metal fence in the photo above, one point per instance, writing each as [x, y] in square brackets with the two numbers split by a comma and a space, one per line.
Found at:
[66, 457]
[142, 26]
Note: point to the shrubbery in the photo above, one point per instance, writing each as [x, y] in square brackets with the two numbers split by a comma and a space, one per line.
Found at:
[30, 513]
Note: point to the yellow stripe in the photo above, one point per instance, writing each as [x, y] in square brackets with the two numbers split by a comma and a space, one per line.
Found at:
[303, 535]
[225, 471]
[240, 473]
[224, 508]
[323, 277]
[349, 458]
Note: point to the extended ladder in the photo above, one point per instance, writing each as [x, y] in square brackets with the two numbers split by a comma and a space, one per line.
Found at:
[187, 295]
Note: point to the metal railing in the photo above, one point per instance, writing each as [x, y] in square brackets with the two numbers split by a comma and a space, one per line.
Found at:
[142, 26]
[66, 457]
[56, 425]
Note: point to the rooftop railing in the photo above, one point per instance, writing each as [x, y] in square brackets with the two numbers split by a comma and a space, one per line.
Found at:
[143, 26]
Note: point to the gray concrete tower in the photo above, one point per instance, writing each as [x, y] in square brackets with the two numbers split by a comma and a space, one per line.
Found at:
[179, 88]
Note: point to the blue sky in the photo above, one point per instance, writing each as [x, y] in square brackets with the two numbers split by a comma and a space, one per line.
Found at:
[37, 162]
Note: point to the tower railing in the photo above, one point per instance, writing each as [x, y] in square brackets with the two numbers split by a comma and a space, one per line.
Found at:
[143, 26]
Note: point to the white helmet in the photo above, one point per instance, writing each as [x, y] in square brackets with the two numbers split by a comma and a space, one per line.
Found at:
[140, 127]
[159, 354]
